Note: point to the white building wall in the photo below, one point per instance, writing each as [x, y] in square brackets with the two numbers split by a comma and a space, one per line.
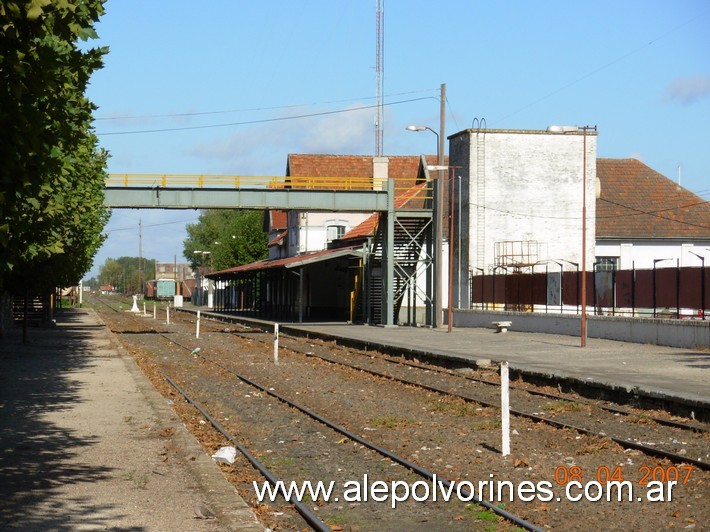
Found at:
[309, 230]
[524, 186]
[533, 192]
[641, 254]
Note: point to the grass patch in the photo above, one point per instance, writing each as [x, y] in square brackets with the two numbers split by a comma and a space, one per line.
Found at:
[487, 424]
[391, 422]
[139, 479]
[639, 418]
[454, 407]
[487, 516]
[278, 461]
[560, 405]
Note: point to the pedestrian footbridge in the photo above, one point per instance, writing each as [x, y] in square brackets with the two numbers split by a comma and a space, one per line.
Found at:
[164, 191]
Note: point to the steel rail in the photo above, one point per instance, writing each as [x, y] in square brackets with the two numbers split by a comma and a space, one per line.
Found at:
[443, 371]
[309, 516]
[371, 445]
[650, 451]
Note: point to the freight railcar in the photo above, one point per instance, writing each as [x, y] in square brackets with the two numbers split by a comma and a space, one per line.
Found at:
[160, 289]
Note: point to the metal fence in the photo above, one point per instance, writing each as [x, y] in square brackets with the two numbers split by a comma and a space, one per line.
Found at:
[660, 292]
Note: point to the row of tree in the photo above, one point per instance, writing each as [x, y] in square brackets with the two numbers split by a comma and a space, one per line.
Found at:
[222, 239]
[51, 168]
[125, 274]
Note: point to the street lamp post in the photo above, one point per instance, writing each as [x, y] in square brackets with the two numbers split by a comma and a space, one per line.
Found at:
[576, 266]
[655, 261]
[583, 332]
[439, 236]
[702, 282]
[482, 278]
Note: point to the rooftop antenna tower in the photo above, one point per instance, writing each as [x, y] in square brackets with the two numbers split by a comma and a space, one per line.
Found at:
[379, 72]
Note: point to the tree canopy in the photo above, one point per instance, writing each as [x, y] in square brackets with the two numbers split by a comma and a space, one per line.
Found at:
[124, 273]
[51, 168]
[231, 238]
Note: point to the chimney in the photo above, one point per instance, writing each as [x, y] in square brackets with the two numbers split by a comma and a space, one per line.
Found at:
[380, 173]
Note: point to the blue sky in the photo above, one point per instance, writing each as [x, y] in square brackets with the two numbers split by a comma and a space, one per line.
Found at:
[216, 87]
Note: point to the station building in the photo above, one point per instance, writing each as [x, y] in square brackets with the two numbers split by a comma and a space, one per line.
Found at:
[514, 199]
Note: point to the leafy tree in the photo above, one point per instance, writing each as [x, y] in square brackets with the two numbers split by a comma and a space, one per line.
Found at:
[231, 238]
[51, 169]
[124, 273]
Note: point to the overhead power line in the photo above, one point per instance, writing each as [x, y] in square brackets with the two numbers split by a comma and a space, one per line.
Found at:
[261, 121]
[133, 227]
[637, 212]
[251, 109]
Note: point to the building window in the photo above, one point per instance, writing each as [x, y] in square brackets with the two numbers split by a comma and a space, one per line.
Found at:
[334, 232]
[607, 264]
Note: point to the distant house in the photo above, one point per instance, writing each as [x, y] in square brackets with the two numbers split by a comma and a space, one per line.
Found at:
[276, 227]
[642, 217]
[106, 289]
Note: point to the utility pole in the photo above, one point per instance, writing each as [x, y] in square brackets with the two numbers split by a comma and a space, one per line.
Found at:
[439, 287]
[140, 254]
[379, 73]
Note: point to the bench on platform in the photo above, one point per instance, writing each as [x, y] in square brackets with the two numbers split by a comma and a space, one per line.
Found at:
[502, 326]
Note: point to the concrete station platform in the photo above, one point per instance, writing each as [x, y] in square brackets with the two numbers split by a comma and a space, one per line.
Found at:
[87, 443]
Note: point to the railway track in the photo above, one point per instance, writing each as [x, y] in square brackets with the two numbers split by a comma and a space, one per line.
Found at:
[232, 352]
[388, 475]
[395, 458]
[490, 398]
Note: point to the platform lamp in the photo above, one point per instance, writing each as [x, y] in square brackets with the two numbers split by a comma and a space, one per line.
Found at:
[576, 266]
[439, 237]
[655, 261]
[583, 129]
[702, 282]
[583, 332]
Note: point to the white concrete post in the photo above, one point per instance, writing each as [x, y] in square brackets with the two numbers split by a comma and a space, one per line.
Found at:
[276, 344]
[505, 407]
[144, 309]
[167, 314]
[155, 312]
[197, 331]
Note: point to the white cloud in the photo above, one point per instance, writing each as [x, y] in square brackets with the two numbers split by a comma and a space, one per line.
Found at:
[688, 90]
[263, 149]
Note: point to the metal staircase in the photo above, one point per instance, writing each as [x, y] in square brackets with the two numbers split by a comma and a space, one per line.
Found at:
[412, 261]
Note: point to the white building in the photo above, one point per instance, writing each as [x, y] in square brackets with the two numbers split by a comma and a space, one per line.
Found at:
[643, 217]
[518, 199]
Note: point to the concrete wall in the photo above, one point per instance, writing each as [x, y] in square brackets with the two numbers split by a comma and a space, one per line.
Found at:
[673, 333]
[523, 186]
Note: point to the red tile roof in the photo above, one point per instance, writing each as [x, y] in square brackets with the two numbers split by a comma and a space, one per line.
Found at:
[638, 202]
[405, 169]
[286, 262]
[368, 227]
